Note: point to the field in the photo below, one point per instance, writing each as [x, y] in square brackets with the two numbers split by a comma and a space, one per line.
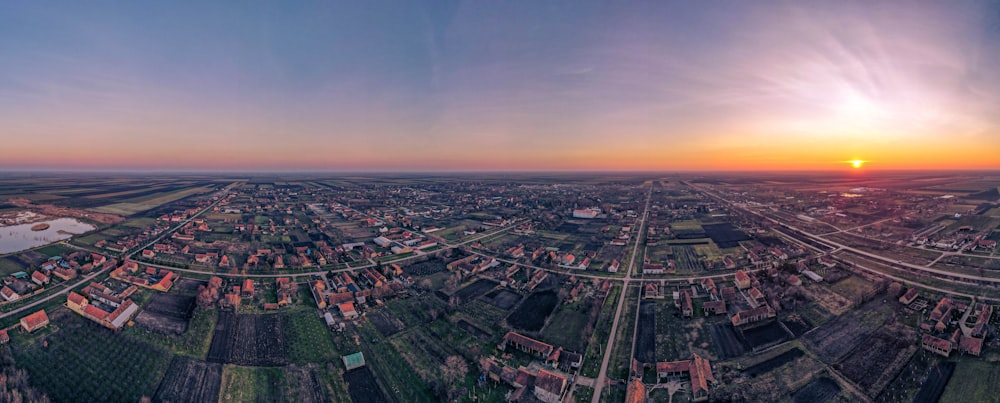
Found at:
[502, 298]
[141, 204]
[725, 235]
[820, 390]
[836, 338]
[729, 344]
[645, 339]
[777, 374]
[87, 362]
[764, 336]
[425, 268]
[530, 315]
[254, 340]
[166, 313]
[884, 354]
[193, 343]
[936, 383]
[288, 384]
[385, 322]
[307, 337]
[190, 380]
[474, 290]
[362, 386]
[973, 381]
[568, 326]
[852, 287]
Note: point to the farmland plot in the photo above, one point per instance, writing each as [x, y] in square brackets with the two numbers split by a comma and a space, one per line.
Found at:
[190, 380]
[255, 340]
[530, 316]
[166, 313]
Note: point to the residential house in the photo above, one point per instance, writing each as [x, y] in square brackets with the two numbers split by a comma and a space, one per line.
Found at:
[34, 321]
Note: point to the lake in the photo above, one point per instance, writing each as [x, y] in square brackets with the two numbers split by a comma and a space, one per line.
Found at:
[20, 237]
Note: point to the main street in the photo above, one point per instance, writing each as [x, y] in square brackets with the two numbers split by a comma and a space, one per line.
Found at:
[602, 376]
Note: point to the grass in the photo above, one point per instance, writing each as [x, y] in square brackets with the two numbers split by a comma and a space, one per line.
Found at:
[54, 249]
[973, 381]
[592, 360]
[8, 265]
[309, 340]
[147, 203]
[385, 361]
[248, 384]
[851, 287]
[566, 327]
[618, 368]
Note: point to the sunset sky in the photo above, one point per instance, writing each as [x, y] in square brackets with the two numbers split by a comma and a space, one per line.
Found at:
[413, 85]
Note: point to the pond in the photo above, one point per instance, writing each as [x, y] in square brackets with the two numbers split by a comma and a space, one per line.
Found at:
[20, 237]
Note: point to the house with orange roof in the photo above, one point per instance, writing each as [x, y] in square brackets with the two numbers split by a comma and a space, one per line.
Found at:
[347, 310]
[35, 321]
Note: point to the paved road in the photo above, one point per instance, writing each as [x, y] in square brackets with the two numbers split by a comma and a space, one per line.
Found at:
[602, 376]
[895, 262]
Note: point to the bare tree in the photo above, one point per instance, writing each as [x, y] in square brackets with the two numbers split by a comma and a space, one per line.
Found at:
[454, 369]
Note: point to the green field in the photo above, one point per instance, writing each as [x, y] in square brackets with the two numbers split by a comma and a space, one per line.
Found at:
[88, 363]
[309, 340]
[973, 381]
[146, 203]
[566, 327]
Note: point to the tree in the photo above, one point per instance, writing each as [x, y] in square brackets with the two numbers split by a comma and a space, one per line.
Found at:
[454, 369]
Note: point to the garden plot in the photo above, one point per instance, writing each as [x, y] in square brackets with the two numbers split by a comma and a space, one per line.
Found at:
[166, 313]
[190, 380]
[645, 342]
[188, 285]
[254, 340]
[531, 314]
[425, 268]
[763, 336]
[874, 363]
[474, 290]
[385, 323]
[729, 344]
[820, 390]
[935, 383]
[839, 336]
[363, 387]
[503, 298]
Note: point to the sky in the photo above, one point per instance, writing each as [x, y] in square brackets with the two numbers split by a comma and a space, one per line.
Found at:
[520, 85]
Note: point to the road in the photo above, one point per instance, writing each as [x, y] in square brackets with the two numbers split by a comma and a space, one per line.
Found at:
[602, 376]
[940, 274]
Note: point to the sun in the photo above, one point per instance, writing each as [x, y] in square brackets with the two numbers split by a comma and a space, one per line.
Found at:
[856, 163]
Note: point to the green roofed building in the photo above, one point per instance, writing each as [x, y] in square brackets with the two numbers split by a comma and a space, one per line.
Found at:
[352, 361]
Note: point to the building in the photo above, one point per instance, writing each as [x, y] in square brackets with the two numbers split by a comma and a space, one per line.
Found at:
[589, 213]
[8, 294]
[347, 310]
[742, 280]
[39, 278]
[936, 345]
[910, 296]
[247, 290]
[4, 337]
[549, 386]
[526, 344]
[34, 321]
[714, 307]
[635, 392]
[353, 361]
[753, 315]
[698, 369]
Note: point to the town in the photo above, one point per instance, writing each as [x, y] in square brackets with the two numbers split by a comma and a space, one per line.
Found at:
[577, 288]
